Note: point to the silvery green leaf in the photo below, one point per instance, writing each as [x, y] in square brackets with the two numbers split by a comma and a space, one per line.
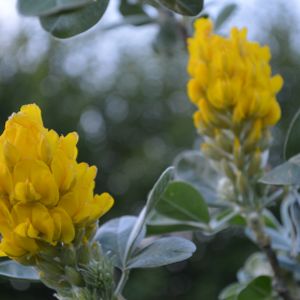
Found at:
[287, 173]
[278, 240]
[154, 197]
[46, 7]
[75, 21]
[160, 224]
[224, 15]
[159, 189]
[14, 270]
[231, 291]
[184, 7]
[194, 168]
[255, 265]
[113, 237]
[162, 252]
[259, 288]
[183, 202]
[289, 264]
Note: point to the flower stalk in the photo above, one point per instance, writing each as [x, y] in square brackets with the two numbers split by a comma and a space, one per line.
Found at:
[255, 222]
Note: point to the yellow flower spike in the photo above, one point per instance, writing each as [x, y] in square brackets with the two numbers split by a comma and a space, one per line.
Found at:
[232, 86]
[237, 77]
[45, 194]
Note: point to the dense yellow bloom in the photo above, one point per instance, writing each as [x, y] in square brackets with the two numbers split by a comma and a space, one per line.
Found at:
[45, 194]
[231, 82]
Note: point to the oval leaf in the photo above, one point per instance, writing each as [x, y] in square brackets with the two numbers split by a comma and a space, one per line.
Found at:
[224, 15]
[183, 202]
[194, 168]
[291, 143]
[184, 7]
[231, 291]
[46, 7]
[163, 252]
[287, 173]
[127, 8]
[73, 22]
[159, 188]
[113, 237]
[14, 270]
[259, 288]
[160, 224]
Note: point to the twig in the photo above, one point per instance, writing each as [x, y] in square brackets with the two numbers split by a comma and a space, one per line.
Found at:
[264, 242]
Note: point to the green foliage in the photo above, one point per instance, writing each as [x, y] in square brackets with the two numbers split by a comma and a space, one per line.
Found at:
[159, 189]
[14, 270]
[162, 252]
[122, 238]
[127, 8]
[291, 143]
[259, 288]
[287, 173]
[72, 22]
[113, 237]
[46, 7]
[180, 207]
[183, 202]
[184, 7]
[67, 18]
[194, 168]
[225, 14]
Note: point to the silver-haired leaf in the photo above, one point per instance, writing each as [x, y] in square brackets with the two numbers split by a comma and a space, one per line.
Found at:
[183, 202]
[46, 7]
[162, 252]
[14, 270]
[194, 168]
[287, 173]
[259, 288]
[113, 237]
[224, 15]
[73, 22]
[184, 7]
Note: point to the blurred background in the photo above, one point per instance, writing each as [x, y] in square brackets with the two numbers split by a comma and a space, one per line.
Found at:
[123, 90]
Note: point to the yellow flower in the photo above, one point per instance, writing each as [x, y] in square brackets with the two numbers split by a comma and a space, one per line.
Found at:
[45, 194]
[231, 81]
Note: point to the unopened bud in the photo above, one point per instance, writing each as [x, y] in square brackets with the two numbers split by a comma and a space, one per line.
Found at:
[238, 154]
[97, 251]
[73, 276]
[55, 283]
[242, 183]
[68, 256]
[228, 170]
[54, 269]
[83, 254]
[224, 142]
[266, 140]
[90, 231]
[255, 164]
[212, 151]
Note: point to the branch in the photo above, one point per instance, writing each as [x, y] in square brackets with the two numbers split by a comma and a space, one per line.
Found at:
[264, 242]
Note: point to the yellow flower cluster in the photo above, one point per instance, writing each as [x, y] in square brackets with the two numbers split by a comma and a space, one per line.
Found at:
[45, 195]
[231, 82]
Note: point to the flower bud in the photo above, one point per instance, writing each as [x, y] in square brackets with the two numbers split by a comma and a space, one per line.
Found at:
[73, 276]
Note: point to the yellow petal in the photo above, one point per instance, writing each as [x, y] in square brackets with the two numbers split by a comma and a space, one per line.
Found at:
[38, 174]
[276, 83]
[63, 169]
[100, 205]
[63, 225]
[68, 144]
[33, 112]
